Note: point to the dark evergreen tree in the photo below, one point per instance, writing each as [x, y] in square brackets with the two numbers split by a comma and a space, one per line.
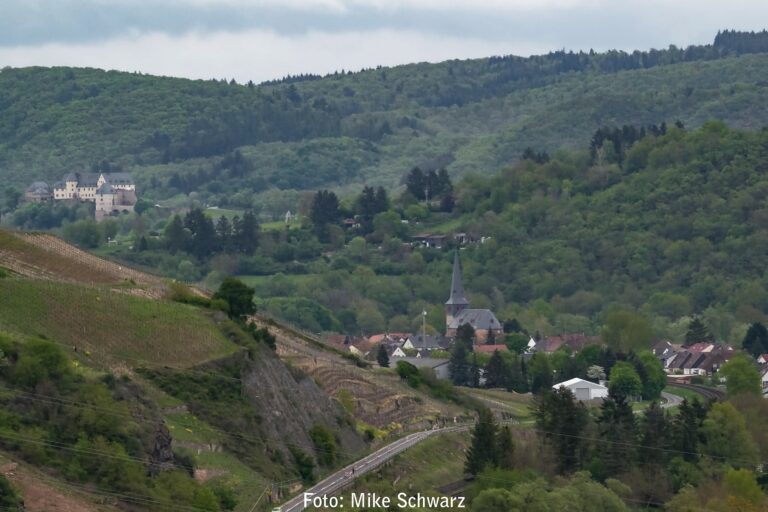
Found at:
[561, 420]
[482, 452]
[465, 334]
[416, 183]
[324, 211]
[616, 448]
[540, 373]
[506, 448]
[496, 371]
[203, 240]
[382, 357]
[381, 201]
[458, 367]
[697, 332]
[174, 236]
[685, 429]
[756, 340]
[654, 435]
[224, 234]
[513, 326]
[246, 234]
[474, 372]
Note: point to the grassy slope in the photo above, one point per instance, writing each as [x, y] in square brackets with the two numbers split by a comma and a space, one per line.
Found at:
[111, 325]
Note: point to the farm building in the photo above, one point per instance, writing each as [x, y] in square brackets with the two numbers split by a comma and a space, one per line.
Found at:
[583, 389]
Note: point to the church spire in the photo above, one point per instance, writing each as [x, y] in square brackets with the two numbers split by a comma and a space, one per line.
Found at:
[457, 297]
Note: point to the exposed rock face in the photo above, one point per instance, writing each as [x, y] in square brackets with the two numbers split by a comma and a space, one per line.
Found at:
[289, 404]
[161, 458]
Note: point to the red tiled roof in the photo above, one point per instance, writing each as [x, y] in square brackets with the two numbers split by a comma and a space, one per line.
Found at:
[490, 349]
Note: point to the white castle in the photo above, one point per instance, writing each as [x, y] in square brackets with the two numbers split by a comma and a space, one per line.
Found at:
[113, 193]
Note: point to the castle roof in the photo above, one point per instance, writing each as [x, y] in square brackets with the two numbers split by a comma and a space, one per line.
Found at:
[457, 287]
[106, 188]
[119, 178]
[88, 180]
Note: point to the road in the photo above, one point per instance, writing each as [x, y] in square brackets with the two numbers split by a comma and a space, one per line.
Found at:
[670, 400]
[345, 476]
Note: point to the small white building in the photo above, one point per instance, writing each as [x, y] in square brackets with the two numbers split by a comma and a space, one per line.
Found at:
[583, 389]
[398, 352]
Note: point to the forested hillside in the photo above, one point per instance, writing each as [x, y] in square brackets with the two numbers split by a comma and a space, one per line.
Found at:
[664, 221]
[225, 142]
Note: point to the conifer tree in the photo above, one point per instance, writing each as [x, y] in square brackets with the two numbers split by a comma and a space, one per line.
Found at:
[653, 432]
[506, 448]
[756, 340]
[457, 365]
[382, 357]
[618, 435]
[482, 452]
[496, 371]
[697, 332]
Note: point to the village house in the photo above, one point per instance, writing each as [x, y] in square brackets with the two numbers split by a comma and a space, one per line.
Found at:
[429, 240]
[112, 193]
[425, 343]
[699, 359]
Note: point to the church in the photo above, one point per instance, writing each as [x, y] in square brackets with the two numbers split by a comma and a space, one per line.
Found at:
[458, 312]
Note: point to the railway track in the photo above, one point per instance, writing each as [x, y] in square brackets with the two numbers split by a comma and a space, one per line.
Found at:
[706, 392]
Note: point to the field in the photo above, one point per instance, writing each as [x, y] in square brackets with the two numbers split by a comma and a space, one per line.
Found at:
[45, 256]
[509, 404]
[111, 325]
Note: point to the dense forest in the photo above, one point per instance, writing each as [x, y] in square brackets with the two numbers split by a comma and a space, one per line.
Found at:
[659, 220]
[249, 146]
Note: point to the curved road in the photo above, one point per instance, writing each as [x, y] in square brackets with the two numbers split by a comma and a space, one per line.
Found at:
[670, 400]
[347, 475]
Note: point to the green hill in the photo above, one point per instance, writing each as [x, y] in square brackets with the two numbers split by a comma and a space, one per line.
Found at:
[226, 141]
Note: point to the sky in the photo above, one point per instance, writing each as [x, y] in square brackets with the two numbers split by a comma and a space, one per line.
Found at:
[265, 39]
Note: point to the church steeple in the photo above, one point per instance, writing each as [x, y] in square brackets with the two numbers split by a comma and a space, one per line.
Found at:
[457, 302]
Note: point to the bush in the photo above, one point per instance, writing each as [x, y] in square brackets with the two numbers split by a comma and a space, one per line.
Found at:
[9, 499]
[181, 293]
[325, 444]
[304, 466]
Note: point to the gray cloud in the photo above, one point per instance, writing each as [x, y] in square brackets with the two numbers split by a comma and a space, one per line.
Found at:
[75, 32]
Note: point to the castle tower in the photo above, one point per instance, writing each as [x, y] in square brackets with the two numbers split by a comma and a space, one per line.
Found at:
[457, 302]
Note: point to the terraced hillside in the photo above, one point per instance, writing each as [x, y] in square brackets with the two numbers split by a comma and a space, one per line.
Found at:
[378, 399]
[45, 256]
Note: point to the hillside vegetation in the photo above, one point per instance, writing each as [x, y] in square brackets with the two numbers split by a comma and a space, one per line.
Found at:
[226, 142]
[111, 325]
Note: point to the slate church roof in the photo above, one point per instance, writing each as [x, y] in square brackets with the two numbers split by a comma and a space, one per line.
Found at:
[483, 319]
[457, 287]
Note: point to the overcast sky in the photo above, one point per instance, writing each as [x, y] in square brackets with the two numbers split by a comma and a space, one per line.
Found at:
[263, 39]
